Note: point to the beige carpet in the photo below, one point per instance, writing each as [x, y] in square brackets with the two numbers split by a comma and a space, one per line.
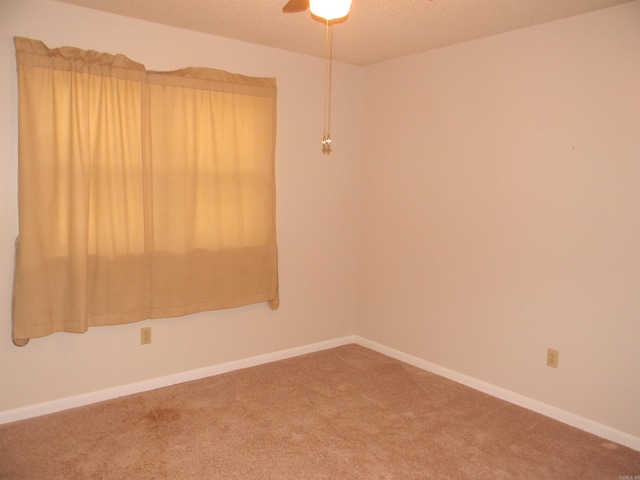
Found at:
[346, 413]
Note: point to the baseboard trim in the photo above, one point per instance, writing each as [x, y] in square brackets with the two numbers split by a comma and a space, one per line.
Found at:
[67, 403]
[563, 416]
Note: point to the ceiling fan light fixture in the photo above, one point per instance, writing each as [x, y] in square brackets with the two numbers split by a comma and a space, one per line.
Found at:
[330, 9]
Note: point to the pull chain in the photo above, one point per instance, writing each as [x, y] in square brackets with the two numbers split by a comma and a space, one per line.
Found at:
[326, 137]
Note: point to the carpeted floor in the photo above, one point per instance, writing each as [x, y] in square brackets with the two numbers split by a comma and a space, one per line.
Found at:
[346, 413]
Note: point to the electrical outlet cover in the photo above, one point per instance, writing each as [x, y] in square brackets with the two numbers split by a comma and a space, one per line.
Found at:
[145, 336]
[552, 357]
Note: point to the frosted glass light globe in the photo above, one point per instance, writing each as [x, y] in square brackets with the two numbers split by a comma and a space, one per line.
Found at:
[330, 9]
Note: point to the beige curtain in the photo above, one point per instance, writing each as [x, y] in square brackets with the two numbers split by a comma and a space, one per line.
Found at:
[141, 194]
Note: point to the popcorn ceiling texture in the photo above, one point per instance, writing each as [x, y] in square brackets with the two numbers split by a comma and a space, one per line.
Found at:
[376, 30]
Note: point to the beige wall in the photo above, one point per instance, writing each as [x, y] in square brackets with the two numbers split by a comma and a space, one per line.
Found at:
[501, 211]
[317, 203]
[490, 191]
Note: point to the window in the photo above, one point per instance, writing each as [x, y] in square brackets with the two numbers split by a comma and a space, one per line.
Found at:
[141, 194]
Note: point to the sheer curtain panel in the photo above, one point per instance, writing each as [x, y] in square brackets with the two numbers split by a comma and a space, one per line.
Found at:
[141, 194]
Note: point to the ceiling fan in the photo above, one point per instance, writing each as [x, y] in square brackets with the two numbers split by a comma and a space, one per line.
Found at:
[328, 10]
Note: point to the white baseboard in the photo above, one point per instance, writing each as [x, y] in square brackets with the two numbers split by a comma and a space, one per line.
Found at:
[54, 406]
[563, 416]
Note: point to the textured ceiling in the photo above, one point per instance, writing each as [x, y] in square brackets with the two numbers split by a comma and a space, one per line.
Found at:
[376, 30]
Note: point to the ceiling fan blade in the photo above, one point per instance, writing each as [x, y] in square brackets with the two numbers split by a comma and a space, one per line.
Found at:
[295, 6]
